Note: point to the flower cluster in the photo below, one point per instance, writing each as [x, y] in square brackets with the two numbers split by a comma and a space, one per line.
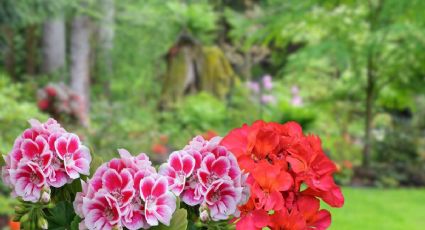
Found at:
[289, 172]
[206, 174]
[42, 156]
[125, 192]
[58, 100]
[262, 90]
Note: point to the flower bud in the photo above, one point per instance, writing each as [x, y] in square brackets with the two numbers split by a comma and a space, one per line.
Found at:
[42, 223]
[204, 216]
[45, 196]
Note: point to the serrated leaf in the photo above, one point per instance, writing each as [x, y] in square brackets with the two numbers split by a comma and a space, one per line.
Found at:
[178, 222]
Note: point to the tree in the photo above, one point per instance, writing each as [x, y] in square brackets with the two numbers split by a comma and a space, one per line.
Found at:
[106, 42]
[54, 45]
[80, 61]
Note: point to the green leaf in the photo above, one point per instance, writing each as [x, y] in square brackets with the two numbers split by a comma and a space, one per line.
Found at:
[75, 222]
[178, 222]
[61, 216]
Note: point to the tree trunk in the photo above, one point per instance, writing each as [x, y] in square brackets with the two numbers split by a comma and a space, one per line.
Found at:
[54, 48]
[106, 43]
[31, 45]
[370, 87]
[9, 59]
[80, 62]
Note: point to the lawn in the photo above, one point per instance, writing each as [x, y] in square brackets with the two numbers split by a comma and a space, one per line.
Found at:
[393, 209]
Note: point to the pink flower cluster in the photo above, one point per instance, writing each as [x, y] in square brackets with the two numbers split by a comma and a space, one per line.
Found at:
[207, 174]
[42, 156]
[125, 192]
[57, 99]
[262, 90]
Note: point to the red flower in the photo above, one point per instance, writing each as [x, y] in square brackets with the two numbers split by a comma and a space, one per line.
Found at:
[269, 181]
[159, 149]
[50, 90]
[280, 158]
[252, 218]
[43, 104]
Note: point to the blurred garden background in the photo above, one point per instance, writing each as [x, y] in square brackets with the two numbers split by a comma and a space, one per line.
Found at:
[149, 75]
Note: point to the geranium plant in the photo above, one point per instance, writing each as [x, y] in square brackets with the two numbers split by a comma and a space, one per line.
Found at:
[264, 175]
[288, 174]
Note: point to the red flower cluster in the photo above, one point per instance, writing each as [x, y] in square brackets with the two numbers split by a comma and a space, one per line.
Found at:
[288, 173]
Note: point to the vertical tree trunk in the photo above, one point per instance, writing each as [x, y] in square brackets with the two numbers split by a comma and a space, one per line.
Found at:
[54, 48]
[106, 43]
[9, 59]
[31, 45]
[80, 62]
[370, 87]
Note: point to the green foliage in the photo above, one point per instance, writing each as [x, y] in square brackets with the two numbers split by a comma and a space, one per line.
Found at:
[28, 12]
[305, 116]
[201, 112]
[199, 19]
[62, 216]
[14, 112]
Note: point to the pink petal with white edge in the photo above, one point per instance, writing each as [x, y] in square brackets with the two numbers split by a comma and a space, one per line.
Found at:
[146, 186]
[188, 165]
[73, 143]
[160, 187]
[220, 166]
[174, 160]
[60, 147]
[111, 180]
[29, 149]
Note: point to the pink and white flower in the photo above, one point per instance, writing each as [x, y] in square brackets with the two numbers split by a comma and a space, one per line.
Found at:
[75, 156]
[119, 185]
[37, 151]
[213, 169]
[121, 179]
[57, 176]
[222, 199]
[37, 146]
[102, 212]
[28, 180]
[160, 204]
[179, 167]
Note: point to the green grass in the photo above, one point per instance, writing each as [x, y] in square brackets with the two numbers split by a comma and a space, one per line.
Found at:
[390, 209]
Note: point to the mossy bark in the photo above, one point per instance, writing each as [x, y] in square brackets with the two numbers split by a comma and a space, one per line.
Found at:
[192, 68]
